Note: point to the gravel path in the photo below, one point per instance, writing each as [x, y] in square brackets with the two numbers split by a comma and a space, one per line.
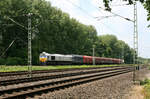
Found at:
[148, 74]
[135, 93]
[143, 74]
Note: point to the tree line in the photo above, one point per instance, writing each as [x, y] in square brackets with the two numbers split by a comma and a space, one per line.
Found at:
[53, 31]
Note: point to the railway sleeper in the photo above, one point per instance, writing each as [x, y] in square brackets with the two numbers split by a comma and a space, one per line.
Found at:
[57, 82]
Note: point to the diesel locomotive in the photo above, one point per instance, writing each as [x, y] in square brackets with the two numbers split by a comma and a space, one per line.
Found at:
[59, 59]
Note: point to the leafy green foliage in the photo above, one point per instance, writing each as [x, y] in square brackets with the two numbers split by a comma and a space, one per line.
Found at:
[106, 3]
[2, 61]
[143, 82]
[14, 61]
[147, 7]
[145, 2]
[53, 31]
[146, 91]
[110, 46]
[143, 60]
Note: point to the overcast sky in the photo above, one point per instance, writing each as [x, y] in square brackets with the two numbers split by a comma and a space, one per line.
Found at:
[88, 12]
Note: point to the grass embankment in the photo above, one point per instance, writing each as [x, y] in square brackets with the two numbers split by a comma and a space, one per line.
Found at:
[4, 68]
[146, 90]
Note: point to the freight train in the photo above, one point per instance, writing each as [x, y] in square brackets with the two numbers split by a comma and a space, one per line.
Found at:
[59, 59]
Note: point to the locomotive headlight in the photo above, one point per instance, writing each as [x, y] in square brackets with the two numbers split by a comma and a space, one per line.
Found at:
[43, 58]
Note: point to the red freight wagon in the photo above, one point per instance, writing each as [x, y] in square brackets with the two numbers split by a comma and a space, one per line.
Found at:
[87, 60]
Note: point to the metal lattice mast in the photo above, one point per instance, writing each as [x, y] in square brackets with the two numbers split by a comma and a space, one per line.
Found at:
[93, 54]
[29, 43]
[135, 38]
[135, 35]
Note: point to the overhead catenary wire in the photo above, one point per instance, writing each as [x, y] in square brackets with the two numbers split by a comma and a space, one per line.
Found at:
[8, 47]
[80, 8]
[17, 23]
[84, 11]
[102, 9]
[95, 18]
[127, 4]
[103, 17]
[118, 15]
[115, 13]
[15, 38]
[59, 20]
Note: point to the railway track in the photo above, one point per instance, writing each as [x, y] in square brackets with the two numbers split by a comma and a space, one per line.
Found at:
[4, 74]
[59, 83]
[33, 79]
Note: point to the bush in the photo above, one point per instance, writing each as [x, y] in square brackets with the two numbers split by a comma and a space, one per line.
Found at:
[146, 81]
[146, 89]
[2, 61]
[14, 61]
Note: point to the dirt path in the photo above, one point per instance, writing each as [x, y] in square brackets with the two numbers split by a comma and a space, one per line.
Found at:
[135, 93]
[148, 75]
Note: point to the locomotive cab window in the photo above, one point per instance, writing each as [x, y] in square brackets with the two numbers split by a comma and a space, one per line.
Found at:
[52, 57]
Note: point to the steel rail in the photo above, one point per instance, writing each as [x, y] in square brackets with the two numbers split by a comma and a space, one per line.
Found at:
[23, 80]
[26, 90]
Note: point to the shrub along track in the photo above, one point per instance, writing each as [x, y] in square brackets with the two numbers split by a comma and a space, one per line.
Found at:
[61, 81]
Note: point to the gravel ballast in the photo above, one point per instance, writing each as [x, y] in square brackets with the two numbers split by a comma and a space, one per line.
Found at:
[109, 88]
[49, 74]
[12, 77]
[116, 87]
[142, 74]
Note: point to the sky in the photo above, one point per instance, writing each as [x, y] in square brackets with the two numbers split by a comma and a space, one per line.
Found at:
[89, 13]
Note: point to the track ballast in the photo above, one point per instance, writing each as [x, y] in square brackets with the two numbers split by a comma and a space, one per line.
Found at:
[58, 82]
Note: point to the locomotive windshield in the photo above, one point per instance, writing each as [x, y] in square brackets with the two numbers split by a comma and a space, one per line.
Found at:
[43, 56]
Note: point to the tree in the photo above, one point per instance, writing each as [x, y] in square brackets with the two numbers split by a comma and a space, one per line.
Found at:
[147, 7]
[145, 2]
[106, 3]
[110, 46]
[57, 33]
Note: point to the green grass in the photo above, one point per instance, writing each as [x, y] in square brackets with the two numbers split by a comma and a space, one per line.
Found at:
[146, 90]
[4, 68]
[149, 67]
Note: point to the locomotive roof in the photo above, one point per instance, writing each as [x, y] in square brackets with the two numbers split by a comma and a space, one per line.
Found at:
[47, 54]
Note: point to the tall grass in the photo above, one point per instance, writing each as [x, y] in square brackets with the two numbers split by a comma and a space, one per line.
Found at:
[146, 90]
